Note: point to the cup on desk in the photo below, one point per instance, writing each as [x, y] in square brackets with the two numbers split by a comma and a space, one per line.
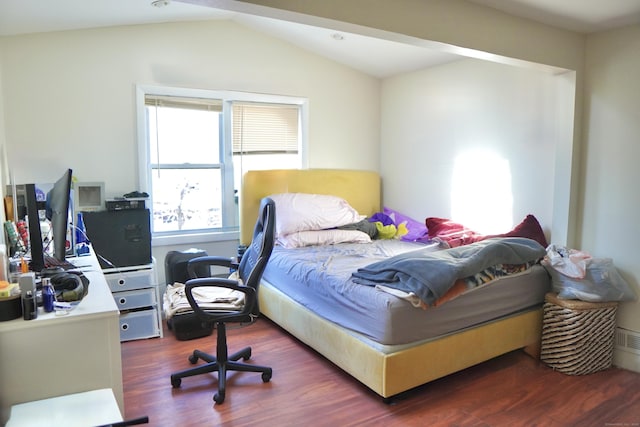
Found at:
[29, 306]
[27, 282]
[14, 270]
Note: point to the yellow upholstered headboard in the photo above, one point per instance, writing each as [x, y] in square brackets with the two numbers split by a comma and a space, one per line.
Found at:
[360, 188]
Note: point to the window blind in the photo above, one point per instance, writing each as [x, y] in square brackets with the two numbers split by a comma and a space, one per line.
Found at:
[182, 102]
[265, 128]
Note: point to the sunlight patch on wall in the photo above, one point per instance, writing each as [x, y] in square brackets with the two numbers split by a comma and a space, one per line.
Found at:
[481, 195]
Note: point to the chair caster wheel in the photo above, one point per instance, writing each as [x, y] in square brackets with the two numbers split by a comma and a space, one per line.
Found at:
[266, 376]
[218, 397]
[175, 382]
[193, 359]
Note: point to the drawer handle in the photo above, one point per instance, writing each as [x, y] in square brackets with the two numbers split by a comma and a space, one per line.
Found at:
[123, 300]
[121, 282]
[125, 326]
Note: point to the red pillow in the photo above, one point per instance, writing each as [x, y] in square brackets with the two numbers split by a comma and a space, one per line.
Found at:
[456, 234]
[529, 228]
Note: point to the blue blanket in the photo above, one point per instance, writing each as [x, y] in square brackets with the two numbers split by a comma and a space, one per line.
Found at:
[430, 274]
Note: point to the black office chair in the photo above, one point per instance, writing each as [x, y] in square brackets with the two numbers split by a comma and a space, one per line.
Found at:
[250, 270]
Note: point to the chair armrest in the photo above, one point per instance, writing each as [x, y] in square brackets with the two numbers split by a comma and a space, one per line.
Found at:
[207, 261]
[249, 297]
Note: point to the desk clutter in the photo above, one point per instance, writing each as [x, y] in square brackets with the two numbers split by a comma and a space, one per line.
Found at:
[58, 292]
[45, 229]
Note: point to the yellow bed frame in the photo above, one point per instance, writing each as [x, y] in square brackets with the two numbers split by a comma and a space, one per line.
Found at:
[386, 373]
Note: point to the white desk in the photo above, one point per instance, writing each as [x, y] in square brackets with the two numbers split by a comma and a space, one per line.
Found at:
[57, 355]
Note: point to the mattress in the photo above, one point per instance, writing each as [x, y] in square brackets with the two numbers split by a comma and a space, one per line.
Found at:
[319, 278]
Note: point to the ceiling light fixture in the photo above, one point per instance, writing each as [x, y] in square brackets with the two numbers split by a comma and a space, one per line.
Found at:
[160, 3]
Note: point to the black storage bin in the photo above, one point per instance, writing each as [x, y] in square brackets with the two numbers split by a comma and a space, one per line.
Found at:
[185, 326]
[175, 265]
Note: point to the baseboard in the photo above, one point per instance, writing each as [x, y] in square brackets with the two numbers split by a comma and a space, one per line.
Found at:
[626, 354]
[625, 360]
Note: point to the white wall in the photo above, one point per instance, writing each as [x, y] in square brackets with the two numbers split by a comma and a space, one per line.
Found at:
[3, 150]
[4, 407]
[69, 96]
[611, 199]
[431, 117]
[466, 28]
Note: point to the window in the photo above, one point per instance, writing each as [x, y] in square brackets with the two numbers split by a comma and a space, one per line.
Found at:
[196, 145]
[265, 136]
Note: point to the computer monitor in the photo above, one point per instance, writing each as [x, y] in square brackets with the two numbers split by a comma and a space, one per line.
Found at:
[59, 212]
[35, 234]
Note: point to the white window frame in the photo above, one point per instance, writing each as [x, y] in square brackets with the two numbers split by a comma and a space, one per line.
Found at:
[227, 97]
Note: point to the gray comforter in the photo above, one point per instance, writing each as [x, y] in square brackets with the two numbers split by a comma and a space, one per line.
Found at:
[430, 274]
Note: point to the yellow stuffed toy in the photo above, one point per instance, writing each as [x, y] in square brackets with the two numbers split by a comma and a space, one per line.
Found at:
[391, 231]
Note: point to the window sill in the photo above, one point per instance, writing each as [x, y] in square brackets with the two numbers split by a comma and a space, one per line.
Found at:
[187, 239]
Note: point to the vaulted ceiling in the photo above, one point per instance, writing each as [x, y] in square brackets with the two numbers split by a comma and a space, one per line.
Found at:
[380, 58]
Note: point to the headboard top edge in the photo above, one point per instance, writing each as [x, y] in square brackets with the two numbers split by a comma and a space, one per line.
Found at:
[361, 188]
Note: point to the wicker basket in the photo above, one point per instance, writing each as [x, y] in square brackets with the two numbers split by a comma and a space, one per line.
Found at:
[577, 336]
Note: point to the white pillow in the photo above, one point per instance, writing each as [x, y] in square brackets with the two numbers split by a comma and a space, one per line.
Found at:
[304, 212]
[322, 237]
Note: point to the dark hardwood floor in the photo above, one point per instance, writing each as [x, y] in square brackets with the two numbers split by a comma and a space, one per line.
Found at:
[308, 390]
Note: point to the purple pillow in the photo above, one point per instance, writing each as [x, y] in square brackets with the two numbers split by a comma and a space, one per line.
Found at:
[417, 230]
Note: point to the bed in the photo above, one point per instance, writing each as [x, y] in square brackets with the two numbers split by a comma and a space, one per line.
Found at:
[386, 363]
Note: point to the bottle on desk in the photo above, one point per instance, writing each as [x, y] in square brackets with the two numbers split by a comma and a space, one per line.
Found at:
[48, 295]
[82, 247]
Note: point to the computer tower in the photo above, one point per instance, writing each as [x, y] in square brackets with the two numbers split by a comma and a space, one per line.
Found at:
[120, 238]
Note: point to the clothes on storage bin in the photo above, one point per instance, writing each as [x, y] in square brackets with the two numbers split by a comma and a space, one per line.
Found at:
[208, 297]
[570, 262]
[576, 275]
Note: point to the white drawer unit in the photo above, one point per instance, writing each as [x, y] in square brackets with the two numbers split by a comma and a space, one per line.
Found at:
[124, 280]
[139, 298]
[137, 325]
[135, 291]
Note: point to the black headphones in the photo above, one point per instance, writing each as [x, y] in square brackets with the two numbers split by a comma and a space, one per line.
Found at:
[69, 285]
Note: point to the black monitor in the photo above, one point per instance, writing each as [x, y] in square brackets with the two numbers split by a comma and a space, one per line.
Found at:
[35, 235]
[58, 211]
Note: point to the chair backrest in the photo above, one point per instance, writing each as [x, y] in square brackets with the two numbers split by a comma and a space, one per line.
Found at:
[254, 260]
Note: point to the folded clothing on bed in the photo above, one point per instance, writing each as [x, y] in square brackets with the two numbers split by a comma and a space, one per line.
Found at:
[429, 275]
